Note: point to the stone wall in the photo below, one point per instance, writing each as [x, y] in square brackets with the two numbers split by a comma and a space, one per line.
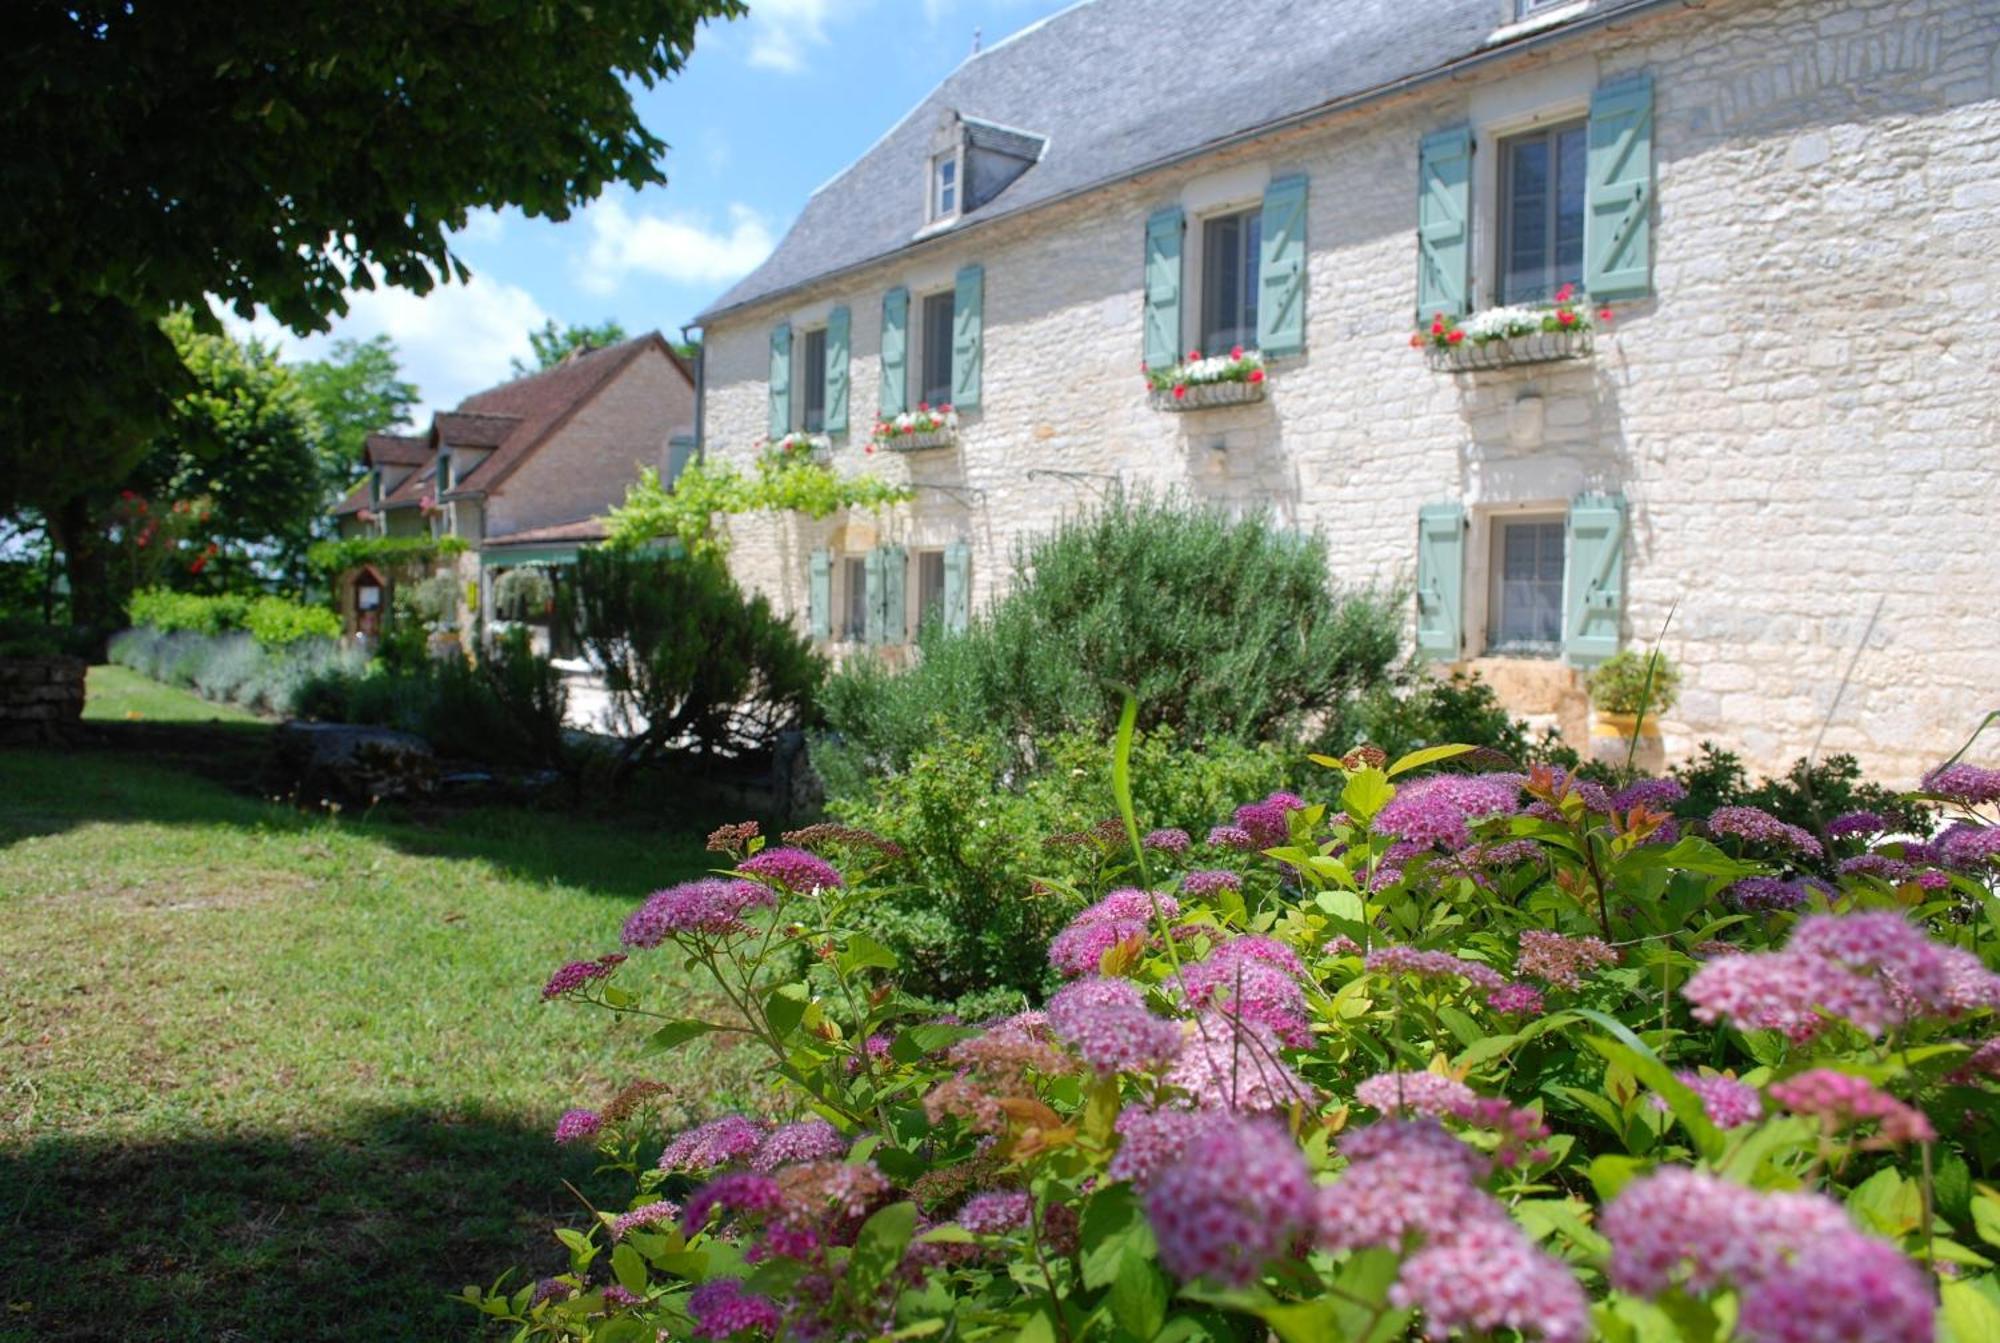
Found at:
[41, 699]
[1801, 418]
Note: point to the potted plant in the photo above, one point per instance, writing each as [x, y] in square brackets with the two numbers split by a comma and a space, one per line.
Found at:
[1197, 382]
[799, 446]
[1516, 334]
[1628, 693]
[924, 427]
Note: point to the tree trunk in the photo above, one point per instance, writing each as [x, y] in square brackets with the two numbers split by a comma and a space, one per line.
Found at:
[73, 527]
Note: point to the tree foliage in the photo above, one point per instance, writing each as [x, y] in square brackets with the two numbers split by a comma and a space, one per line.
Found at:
[357, 390]
[553, 344]
[686, 511]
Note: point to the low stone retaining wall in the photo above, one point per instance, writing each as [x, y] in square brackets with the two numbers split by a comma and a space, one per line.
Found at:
[41, 699]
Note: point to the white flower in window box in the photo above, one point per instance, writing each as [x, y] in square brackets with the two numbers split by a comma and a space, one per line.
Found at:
[799, 446]
[1518, 334]
[1197, 383]
[924, 427]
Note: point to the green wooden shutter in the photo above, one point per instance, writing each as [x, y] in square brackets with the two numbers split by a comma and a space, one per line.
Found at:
[781, 379]
[957, 586]
[895, 351]
[836, 370]
[1440, 581]
[819, 595]
[1163, 287]
[1617, 225]
[1594, 577]
[871, 591]
[1281, 307]
[1444, 216]
[893, 567]
[968, 325]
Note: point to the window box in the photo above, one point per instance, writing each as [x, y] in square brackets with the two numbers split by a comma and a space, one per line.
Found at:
[1540, 347]
[917, 430]
[1507, 336]
[800, 446]
[1234, 379]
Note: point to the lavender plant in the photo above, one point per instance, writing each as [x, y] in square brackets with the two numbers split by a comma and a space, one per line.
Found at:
[1482, 1056]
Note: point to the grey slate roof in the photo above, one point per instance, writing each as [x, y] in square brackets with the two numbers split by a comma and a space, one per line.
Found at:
[1117, 85]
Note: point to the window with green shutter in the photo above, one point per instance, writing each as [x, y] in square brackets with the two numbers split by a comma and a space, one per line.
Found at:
[1594, 585]
[1618, 234]
[1281, 301]
[887, 611]
[1163, 287]
[968, 337]
[819, 595]
[957, 586]
[894, 397]
[872, 588]
[1440, 581]
[1444, 216]
[837, 324]
[781, 379]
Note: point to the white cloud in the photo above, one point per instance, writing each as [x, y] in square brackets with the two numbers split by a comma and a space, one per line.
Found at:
[675, 246]
[781, 33]
[481, 226]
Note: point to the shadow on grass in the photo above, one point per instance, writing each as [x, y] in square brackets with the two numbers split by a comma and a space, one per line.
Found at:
[206, 777]
[359, 1232]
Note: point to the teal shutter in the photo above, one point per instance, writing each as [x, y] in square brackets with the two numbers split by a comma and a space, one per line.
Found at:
[1617, 223]
[1163, 288]
[957, 586]
[892, 564]
[1444, 217]
[836, 370]
[1594, 578]
[1440, 581]
[781, 379]
[819, 595]
[968, 325]
[895, 351]
[871, 591]
[1281, 307]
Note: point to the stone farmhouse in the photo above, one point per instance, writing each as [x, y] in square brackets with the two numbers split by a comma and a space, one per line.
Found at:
[523, 472]
[1785, 433]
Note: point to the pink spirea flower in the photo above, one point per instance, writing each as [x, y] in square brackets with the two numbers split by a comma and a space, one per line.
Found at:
[1561, 961]
[721, 1308]
[716, 1143]
[549, 1289]
[1149, 1140]
[1850, 823]
[1969, 784]
[1130, 903]
[807, 1140]
[1079, 949]
[1516, 1000]
[1488, 1277]
[1414, 1093]
[1657, 794]
[1404, 1177]
[1107, 1023]
[1843, 1100]
[1265, 823]
[576, 974]
[1727, 1102]
[650, 1214]
[1210, 880]
[1923, 978]
[995, 1213]
[711, 905]
[1231, 837]
[794, 869]
[738, 1191]
[1758, 895]
[1842, 1286]
[578, 1126]
[1256, 979]
[1231, 1063]
[1878, 865]
[1232, 1202]
[1785, 991]
[615, 1295]
[1758, 826]
[1969, 846]
[1432, 965]
[1171, 839]
[1680, 1226]
[1505, 853]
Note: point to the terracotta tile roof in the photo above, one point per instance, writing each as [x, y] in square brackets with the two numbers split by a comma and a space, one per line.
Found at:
[355, 500]
[583, 529]
[397, 449]
[460, 429]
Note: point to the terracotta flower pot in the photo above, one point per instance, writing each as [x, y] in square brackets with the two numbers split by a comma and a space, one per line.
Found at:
[1612, 736]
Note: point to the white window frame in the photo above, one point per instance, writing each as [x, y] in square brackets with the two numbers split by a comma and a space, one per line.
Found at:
[935, 187]
[803, 378]
[852, 627]
[919, 349]
[1494, 553]
[1196, 242]
[1553, 96]
[1503, 214]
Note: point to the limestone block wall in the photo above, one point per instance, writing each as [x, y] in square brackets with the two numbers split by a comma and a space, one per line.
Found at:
[1801, 417]
[41, 698]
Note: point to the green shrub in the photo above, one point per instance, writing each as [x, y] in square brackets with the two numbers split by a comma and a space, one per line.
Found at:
[231, 664]
[1809, 794]
[971, 905]
[1628, 681]
[1224, 627]
[506, 710]
[689, 661]
[278, 621]
[1419, 710]
[167, 611]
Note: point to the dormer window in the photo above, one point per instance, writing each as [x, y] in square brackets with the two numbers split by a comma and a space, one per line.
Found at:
[944, 185]
[444, 472]
[375, 487]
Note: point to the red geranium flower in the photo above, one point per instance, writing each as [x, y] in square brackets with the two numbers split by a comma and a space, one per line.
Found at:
[1454, 337]
[923, 405]
[1566, 317]
[1437, 326]
[1604, 314]
[1236, 352]
[1194, 354]
[1563, 294]
[1256, 375]
[1180, 391]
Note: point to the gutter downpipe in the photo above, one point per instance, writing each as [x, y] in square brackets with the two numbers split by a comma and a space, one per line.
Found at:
[700, 390]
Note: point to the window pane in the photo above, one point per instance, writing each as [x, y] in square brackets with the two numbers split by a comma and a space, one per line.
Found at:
[947, 186]
[1229, 263]
[1572, 150]
[813, 400]
[1528, 596]
[937, 349]
[930, 585]
[1253, 246]
[1524, 273]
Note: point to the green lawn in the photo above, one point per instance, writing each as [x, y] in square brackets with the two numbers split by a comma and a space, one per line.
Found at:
[273, 1075]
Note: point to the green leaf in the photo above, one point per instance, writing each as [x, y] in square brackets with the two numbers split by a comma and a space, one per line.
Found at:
[1039, 1328]
[629, 1269]
[1633, 1052]
[1889, 1202]
[785, 1008]
[863, 952]
[1692, 854]
[917, 1041]
[1366, 792]
[1429, 755]
[1971, 1314]
[1139, 1296]
[1303, 1321]
[617, 997]
[677, 1033]
[1114, 1228]
[1464, 1027]
[1986, 1215]
[1612, 1172]
[879, 1247]
[1485, 1051]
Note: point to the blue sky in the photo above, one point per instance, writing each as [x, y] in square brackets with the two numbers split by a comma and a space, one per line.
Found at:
[768, 108]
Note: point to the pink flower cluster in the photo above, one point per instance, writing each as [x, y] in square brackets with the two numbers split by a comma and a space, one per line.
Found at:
[1516, 1000]
[712, 905]
[807, 1140]
[1561, 961]
[1231, 837]
[1968, 846]
[576, 974]
[1842, 1100]
[1727, 1102]
[1408, 1093]
[1440, 810]
[1432, 965]
[1852, 823]
[1150, 1140]
[1232, 1063]
[1172, 840]
[1266, 823]
[716, 1143]
[578, 1126]
[1106, 1022]
[1121, 916]
[738, 1191]
[1208, 881]
[794, 869]
[1758, 826]
[1967, 784]
[1655, 794]
[650, 1214]
[995, 1213]
[1235, 1199]
[1254, 979]
[722, 1308]
[1801, 1269]
[1758, 895]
